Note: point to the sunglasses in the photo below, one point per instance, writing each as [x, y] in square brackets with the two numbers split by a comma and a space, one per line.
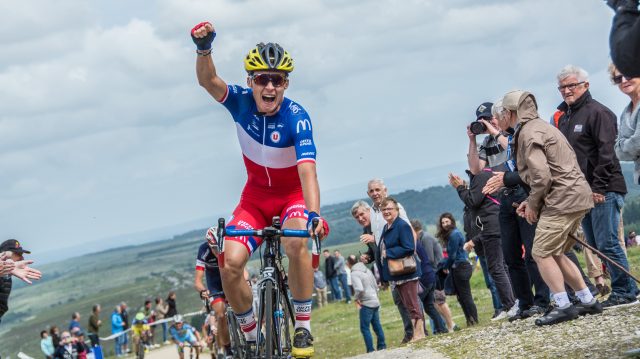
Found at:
[618, 79]
[263, 79]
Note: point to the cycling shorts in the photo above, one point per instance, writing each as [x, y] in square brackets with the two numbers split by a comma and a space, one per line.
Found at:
[216, 297]
[257, 208]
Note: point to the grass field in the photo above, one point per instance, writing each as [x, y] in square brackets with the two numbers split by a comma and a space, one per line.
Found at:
[336, 326]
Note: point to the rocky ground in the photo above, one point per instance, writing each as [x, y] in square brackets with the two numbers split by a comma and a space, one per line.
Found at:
[608, 335]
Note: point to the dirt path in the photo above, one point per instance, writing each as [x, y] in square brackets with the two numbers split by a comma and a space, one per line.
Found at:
[403, 353]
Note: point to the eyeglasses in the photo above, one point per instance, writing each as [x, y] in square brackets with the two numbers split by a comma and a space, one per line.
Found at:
[388, 209]
[263, 79]
[618, 79]
[65, 337]
[570, 87]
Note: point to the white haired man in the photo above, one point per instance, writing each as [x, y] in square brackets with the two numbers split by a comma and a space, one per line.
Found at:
[591, 129]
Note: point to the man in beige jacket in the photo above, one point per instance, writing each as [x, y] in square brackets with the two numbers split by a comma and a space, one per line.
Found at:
[559, 197]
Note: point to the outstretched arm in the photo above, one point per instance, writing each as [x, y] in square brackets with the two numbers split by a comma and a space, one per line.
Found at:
[203, 35]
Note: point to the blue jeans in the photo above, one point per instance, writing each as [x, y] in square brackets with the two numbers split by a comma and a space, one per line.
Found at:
[164, 332]
[335, 288]
[119, 342]
[491, 285]
[345, 286]
[427, 297]
[600, 227]
[371, 317]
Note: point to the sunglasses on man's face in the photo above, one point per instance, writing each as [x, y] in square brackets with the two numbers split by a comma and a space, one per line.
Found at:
[263, 79]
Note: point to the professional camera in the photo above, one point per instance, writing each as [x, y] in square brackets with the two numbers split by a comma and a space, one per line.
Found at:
[482, 112]
[477, 127]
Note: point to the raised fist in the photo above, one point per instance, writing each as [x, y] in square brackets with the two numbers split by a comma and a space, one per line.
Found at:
[203, 35]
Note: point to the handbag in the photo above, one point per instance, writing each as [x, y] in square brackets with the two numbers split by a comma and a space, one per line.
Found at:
[449, 286]
[402, 266]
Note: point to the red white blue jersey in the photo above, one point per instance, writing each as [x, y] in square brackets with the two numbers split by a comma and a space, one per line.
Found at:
[272, 146]
[208, 262]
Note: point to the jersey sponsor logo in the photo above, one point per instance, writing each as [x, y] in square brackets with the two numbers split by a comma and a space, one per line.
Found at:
[271, 126]
[275, 136]
[280, 125]
[306, 142]
[304, 124]
[234, 89]
[244, 225]
[294, 214]
[294, 108]
[308, 154]
[294, 207]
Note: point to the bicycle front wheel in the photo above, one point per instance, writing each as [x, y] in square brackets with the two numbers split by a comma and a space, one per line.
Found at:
[267, 300]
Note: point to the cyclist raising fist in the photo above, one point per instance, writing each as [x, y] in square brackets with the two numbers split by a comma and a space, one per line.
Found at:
[275, 135]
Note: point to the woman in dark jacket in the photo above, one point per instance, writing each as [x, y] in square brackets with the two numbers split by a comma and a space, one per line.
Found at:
[171, 302]
[397, 241]
[458, 264]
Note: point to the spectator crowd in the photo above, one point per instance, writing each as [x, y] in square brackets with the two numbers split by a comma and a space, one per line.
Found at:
[75, 342]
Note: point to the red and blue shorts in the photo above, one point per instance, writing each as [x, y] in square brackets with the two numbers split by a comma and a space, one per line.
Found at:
[259, 205]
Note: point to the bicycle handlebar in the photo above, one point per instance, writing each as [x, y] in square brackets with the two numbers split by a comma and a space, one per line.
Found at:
[267, 232]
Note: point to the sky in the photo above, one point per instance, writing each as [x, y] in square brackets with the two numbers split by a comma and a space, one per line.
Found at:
[104, 130]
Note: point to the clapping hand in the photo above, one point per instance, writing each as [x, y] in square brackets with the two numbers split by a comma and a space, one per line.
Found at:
[23, 272]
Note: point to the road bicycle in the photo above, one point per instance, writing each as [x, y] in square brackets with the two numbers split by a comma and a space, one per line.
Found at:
[275, 310]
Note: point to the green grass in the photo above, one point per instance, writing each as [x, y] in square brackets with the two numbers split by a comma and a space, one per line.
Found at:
[337, 333]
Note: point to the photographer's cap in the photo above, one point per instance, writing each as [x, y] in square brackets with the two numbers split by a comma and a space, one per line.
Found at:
[14, 246]
[484, 110]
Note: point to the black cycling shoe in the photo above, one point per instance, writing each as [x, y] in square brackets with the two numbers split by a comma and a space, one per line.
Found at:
[302, 344]
[594, 307]
[558, 315]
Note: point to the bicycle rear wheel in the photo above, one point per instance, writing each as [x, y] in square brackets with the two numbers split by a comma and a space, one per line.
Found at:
[236, 336]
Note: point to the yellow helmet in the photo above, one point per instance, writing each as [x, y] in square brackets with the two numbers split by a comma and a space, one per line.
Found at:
[268, 57]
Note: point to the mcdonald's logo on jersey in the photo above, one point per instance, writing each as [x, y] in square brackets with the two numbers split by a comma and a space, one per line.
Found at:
[304, 124]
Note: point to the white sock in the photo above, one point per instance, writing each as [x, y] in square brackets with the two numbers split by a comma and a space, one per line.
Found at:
[561, 299]
[247, 322]
[302, 310]
[584, 295]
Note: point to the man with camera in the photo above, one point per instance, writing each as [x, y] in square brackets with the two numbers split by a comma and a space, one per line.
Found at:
[492, 151]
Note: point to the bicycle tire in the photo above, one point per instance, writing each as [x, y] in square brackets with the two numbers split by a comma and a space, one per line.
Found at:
[268, 320]
[140, 353]
[236, 336]
[288, 322]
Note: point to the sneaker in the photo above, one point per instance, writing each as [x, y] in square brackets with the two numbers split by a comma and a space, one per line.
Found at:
[616, 300]
[594, 307]
[502, 315]
[302, 344]
[521, 314]
[535, 310]
[603, 289]
[514, 309]
[558, 315]
[456, 328]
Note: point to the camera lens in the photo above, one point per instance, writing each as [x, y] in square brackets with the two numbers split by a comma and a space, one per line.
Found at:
[477, 128]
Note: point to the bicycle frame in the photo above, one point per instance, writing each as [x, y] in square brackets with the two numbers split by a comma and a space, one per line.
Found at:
[275, 308]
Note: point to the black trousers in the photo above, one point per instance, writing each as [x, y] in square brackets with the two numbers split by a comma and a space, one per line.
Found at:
[492, 248]
[516, 232]
[625, 42]
[461, 275]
